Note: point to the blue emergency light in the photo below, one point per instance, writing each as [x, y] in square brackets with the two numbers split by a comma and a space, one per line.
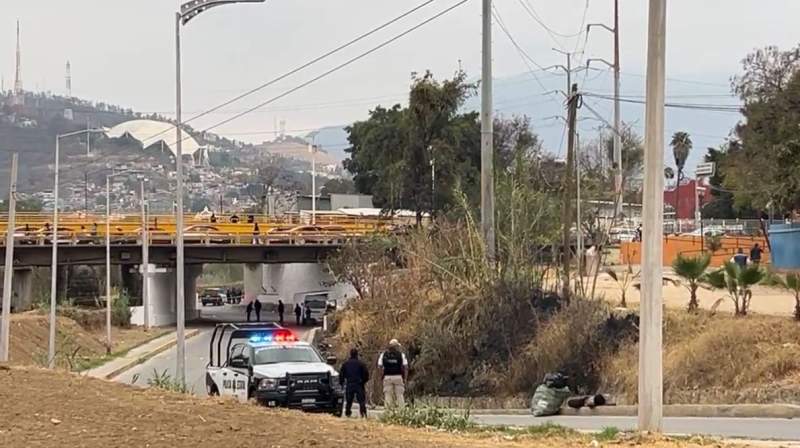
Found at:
[275, 336]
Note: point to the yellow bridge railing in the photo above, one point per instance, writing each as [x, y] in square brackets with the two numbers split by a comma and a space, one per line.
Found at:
[77, 229]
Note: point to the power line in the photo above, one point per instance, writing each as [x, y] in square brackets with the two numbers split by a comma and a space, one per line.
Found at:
[693, 106]
[338, 67]
[303, 66]
[323, 75]
[522, 53]
[528, 7]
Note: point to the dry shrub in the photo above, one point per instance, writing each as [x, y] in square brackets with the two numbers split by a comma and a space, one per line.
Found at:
[711, 353]
[574, 341]
[463, 322]
[90, 319]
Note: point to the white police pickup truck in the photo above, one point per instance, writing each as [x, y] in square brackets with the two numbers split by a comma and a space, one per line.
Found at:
[267, 362]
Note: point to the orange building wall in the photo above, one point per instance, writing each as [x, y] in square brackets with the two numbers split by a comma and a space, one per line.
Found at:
[690, 246]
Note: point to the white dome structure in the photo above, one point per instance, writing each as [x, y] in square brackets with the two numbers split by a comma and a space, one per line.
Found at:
[150, 132]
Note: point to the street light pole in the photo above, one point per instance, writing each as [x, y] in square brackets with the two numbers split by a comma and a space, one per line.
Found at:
[51, 346]
[188, 11]
[180, 308]
[617, 137]
[145, 259]
[8, 272]
[108, 263]
[313, 150]
[651, 388]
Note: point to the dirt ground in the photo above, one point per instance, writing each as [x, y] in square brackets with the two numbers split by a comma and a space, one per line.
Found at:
[766, 300]
[76, 347]
[50, 409]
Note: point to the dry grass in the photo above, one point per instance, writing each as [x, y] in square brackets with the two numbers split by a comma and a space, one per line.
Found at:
[92, 413]
[76, 347]
[719, 359]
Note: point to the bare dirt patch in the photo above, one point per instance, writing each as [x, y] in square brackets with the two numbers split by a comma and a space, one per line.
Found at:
[76, 347]
[44, 408]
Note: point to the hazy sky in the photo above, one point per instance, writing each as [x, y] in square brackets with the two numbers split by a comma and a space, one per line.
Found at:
[122, 51]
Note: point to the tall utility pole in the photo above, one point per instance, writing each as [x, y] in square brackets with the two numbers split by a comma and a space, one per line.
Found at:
[8, 271]
[145, 257]
[618, 187]
[180, 296]
[487, 136]
[188, 11]
[568, 193]
[651, 391]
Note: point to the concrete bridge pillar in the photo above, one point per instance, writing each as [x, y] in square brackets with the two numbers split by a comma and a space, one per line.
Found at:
[253, 282]
[162, 296]
[191, 273]
[22, 289]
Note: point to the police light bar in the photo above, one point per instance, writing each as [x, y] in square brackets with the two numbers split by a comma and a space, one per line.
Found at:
[281, 335]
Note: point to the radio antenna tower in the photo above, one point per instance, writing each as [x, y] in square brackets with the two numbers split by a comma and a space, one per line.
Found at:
[18, 78]
[69, 80]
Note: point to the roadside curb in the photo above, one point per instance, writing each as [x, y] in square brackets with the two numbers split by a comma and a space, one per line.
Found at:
[311, 336]
[147, 356]
[778, 411]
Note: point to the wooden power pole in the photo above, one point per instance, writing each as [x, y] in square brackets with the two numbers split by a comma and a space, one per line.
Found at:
[568, 193]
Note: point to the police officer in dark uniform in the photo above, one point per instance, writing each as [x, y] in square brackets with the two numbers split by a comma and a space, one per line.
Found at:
[353, 376]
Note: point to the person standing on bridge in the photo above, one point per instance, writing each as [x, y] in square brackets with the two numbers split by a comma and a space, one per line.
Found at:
[353, 376]
[256, 234]
[394, 367]
[257, 306]
[298, 313]
[281, 309]
[249, 310]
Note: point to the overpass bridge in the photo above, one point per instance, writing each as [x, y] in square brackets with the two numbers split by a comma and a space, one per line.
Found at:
[254, 241]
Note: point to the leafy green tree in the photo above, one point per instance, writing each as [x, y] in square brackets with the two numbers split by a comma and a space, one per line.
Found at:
[738, 282]
[23, 205]
[338, 186]
[681, 147]
[692, 270]
[764, 170]
[722, 204]
[393, 152]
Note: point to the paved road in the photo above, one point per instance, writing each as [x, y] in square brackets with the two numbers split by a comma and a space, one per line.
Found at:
[750, 428]
[197, 353]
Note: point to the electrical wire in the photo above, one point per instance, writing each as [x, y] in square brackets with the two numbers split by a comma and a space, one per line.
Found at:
[323, 75]
[338, 67]
[526, 59]
[304, 66]
[693, 106]
[532, 12]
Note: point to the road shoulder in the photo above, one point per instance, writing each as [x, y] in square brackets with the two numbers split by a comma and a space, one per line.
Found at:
[137, 355]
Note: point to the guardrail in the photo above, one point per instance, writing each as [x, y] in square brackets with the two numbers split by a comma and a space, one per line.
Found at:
[33, 229]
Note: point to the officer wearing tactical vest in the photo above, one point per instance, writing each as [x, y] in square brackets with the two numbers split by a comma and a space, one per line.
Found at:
[394, 367]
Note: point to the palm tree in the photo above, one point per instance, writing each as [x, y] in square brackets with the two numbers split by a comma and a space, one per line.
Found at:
[692, 270]
[790, 283]
[738, 281]
[681, 147]
[623, 282]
